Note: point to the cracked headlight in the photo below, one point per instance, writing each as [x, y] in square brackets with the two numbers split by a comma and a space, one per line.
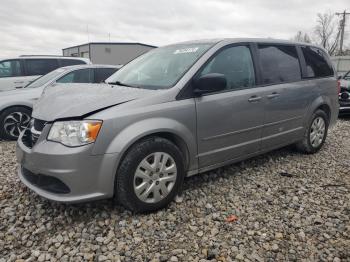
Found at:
[75, 133]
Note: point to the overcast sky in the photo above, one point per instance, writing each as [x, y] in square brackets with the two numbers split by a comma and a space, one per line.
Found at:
[47, 26]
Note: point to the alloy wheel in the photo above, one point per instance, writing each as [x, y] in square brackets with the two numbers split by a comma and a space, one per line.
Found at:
[15, 122]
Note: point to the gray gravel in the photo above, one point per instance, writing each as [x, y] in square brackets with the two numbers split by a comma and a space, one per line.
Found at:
[302, 214]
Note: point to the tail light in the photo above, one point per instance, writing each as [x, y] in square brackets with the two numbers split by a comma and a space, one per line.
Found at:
[338, 86]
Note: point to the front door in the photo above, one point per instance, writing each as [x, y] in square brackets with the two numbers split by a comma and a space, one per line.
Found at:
[229, 123]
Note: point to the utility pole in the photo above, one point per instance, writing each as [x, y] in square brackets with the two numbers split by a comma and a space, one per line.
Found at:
[342, 29]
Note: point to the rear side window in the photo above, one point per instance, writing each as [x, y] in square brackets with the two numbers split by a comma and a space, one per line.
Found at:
[101, 74]
[40, 66]
[69, 62]
[317, 62]
[236, 64]
[279, 63]
[78, 76]
[10, 68]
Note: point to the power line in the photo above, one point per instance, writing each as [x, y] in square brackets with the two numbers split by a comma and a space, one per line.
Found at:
[342, 29]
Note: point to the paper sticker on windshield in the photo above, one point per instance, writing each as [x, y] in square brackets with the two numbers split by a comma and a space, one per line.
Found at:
[186, 50]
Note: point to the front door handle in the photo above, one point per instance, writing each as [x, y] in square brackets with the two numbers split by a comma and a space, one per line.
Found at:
[273, 95]
[254, 99]
[19, 82]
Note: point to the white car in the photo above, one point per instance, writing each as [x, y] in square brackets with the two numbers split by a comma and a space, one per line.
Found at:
[16, 105]
[19, 72]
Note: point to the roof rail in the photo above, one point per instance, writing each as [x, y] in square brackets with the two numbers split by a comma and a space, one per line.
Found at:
[44, 55]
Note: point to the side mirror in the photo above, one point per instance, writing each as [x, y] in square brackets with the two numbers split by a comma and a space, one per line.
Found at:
[209, 83]
[339, 77]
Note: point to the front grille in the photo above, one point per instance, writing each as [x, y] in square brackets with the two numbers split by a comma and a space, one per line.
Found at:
[48, 183]
[39, 124]
[33, 132]
[27, 138]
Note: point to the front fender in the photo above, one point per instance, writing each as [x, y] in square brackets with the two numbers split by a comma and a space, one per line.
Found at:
[8, 104]
[143, 128]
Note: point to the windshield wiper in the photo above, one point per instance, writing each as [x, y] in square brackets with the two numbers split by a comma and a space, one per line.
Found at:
[121, 84]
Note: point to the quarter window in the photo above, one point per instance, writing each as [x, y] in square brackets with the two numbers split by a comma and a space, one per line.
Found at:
[236, 64]
[279, 63]
[10, 68]
[101, 74]
[40, 66]
[69, 62]
[78, 76]
[317, 62]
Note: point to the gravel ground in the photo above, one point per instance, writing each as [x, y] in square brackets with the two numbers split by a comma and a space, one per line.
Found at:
[289, 207]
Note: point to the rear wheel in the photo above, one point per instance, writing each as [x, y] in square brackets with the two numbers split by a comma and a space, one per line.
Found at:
[150, 175]
[12, 121]
[315, 134]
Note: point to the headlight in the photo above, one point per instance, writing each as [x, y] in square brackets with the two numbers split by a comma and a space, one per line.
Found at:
[75, 133]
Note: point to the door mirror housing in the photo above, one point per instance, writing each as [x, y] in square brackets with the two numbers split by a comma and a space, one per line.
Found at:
[209, 83]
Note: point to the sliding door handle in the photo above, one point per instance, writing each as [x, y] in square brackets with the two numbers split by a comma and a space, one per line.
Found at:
[254, 99]
[273, 95]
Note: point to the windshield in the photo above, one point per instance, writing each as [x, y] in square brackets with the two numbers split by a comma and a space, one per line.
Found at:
[160, 68]
[45, 78]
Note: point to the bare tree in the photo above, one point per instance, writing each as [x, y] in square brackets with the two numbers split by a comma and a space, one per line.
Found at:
[302, 37]
[326, 32]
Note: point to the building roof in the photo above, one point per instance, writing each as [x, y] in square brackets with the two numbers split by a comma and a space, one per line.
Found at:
[110, 43]
[86, 60]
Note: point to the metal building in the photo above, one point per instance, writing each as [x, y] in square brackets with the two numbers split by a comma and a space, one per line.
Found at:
[108, 53]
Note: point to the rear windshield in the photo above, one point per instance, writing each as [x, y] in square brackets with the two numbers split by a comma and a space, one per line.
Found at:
[160, 68]
[45, 78]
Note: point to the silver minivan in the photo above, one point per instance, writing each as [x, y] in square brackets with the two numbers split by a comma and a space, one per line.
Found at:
[173, 112]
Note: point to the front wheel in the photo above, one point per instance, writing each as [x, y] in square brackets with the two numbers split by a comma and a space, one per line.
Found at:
[150, 175]
[315, 134]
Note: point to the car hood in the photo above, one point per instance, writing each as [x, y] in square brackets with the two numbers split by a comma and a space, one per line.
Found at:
[77, 100]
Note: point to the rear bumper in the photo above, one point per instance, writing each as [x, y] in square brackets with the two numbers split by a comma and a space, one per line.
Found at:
[344, 106]
[64, 174]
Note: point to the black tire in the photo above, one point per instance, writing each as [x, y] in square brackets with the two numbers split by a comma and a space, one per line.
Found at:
[305, 146]
[124, 186]
[5, 133]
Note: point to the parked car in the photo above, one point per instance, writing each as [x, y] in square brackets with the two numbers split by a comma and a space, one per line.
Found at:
[16, 105]
[344, 94]
[173, 112]
[19, 72]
